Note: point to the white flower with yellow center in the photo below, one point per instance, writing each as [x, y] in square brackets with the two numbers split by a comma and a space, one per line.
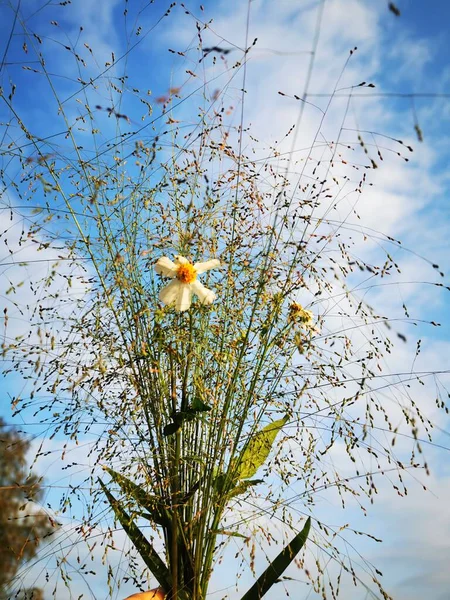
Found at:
[185, 283]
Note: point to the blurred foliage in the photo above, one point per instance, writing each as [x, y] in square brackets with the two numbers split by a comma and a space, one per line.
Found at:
[22, 527]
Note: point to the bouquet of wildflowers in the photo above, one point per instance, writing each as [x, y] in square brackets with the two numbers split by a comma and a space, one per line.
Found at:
[184, 322]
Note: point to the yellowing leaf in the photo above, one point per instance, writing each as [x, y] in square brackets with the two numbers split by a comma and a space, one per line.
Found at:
[258, 448]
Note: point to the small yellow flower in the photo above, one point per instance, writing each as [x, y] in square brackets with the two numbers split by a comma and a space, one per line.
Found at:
[303, 316]
[185, 283]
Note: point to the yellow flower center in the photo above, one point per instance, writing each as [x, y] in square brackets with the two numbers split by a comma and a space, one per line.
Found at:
[186, 273]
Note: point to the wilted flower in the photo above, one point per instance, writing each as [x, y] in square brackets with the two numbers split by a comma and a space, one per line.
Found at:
[184, 274]
[303, 316]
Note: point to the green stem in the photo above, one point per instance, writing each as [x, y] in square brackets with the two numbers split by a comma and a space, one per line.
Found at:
[175, 498]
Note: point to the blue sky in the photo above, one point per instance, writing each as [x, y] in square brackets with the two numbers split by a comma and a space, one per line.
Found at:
[400, 55]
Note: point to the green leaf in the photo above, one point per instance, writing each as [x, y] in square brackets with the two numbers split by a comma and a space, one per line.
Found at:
[278, 565]
[148, 554]
[243, 486]
[199, 406]
[223, 483]
[258, 448]
[157, 512]
[229, 533]
[171, 428]
[184, 499]
[151, 503]
[179, 417]
[219, 482]
[229, 488]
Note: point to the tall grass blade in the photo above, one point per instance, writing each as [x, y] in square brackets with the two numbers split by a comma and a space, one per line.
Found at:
[143, 546]
[278, 566]
[150, 503]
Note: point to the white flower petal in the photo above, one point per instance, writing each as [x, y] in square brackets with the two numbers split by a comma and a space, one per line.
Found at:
[206, 266]
[184, 296]
[170, 293]
[180, 293]
[164, 266]
[205, 296]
